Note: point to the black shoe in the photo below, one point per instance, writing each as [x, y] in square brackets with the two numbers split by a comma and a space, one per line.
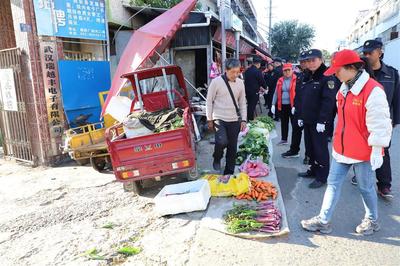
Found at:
[385, 193]
[354, 180]
[316, 184]
[217, 165]
[307, 174]
[290, 154]
[306, 160]
[276, 119]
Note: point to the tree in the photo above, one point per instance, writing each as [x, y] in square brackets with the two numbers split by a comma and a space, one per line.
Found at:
[289, 38]
[327, 56]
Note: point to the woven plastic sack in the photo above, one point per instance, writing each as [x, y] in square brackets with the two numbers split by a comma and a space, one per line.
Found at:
[228, 185]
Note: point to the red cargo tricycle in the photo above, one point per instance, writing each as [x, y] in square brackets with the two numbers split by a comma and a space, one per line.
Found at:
[158, 154]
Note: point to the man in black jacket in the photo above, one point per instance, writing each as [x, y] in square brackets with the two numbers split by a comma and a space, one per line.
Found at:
[253, 81]
[293, 152]
[318, 98]
[276, 74]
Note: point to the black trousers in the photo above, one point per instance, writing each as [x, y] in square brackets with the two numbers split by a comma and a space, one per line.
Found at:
[317, 148]
[270, 96]
[226, 136]
[286, 115]
[297, 133]
[252, 101]
[384, 174]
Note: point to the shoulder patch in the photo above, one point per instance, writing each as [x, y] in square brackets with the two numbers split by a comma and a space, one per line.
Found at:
[331, 84]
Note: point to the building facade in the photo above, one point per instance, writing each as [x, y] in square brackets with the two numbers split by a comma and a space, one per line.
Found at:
[382, 21]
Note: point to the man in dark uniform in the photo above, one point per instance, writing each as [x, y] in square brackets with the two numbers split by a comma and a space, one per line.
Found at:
[253, 81]
[389, 78]
[276, 74]
[318, 97]
[267, 77]
[293, 152]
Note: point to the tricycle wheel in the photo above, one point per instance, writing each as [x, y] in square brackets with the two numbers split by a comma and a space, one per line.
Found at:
[132, 186]
[192, 174]
[98, 163]
[82, 162]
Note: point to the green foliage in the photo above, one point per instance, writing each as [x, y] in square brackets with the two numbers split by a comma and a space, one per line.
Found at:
[290, 37]
[129, 251]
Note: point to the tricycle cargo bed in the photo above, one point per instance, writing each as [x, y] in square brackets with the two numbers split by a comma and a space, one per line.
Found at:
[152, 155]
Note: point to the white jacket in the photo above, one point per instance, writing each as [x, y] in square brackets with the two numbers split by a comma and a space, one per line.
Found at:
[378, 120]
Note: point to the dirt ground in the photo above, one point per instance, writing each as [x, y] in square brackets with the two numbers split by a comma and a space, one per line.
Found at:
[59, 216]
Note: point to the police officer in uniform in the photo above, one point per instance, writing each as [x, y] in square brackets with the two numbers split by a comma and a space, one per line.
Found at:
[276, 74]
[293, 152]
[389, 78]
[253, 81]
[318, 98]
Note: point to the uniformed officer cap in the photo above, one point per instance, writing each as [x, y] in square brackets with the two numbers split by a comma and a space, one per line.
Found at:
[302, 56]
[313, 53]
[257, 60]
[371, 45]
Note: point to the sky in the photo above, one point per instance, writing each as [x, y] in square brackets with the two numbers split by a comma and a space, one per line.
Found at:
[332, 19]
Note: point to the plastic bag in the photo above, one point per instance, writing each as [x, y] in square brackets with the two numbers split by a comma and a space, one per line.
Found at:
[255, 168]
[228, 185]
[133, 128]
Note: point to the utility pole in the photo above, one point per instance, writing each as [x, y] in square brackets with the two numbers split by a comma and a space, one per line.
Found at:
[270, 24]
[223, 33]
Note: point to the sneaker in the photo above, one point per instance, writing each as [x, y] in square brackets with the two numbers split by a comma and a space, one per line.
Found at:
[283, 142]
[307, 174]
[314, 224]
[306, 160]
[217, 165]
[290, 154]
[367, 227]
[354, 180]
[385, 193]
[316, 184]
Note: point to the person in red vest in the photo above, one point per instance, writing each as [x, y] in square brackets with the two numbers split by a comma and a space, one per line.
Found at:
[363, 129]
[284, 99]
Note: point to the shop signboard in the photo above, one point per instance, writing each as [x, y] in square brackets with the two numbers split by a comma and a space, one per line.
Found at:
[84, 19]
[7, 88]
[48, 53]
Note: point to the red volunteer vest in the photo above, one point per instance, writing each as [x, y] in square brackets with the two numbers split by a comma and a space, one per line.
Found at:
[292, 91]
[351, 133]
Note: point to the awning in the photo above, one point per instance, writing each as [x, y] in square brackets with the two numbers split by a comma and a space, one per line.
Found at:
[147, 41]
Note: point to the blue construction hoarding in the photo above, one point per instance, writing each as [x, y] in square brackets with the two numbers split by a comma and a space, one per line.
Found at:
[81, 82]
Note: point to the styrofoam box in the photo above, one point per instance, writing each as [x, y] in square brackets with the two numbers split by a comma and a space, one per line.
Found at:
[196, 197]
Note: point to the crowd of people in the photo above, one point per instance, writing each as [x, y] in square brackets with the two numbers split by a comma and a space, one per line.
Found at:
[362, 94]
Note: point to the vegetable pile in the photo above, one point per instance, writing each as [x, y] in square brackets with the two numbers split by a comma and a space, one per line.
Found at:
[254, 168]
[259, 191]
[265, 122]
[263, 217]
[255, 145]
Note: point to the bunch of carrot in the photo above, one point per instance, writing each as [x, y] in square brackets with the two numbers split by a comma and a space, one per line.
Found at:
[259, 191]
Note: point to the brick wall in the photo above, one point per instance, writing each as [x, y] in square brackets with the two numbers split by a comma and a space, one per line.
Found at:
[7, 39]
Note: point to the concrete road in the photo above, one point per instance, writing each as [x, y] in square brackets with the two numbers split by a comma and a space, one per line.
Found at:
[342, 247]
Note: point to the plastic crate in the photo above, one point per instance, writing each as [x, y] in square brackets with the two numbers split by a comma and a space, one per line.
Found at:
[183, 197]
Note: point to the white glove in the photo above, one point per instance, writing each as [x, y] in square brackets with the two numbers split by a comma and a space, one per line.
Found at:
[273, 109]
[320, 128]
[293, 110]
[376, 158]
[300, 123]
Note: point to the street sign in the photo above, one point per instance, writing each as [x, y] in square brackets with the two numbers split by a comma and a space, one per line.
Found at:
[85, 19]
[25, 27]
